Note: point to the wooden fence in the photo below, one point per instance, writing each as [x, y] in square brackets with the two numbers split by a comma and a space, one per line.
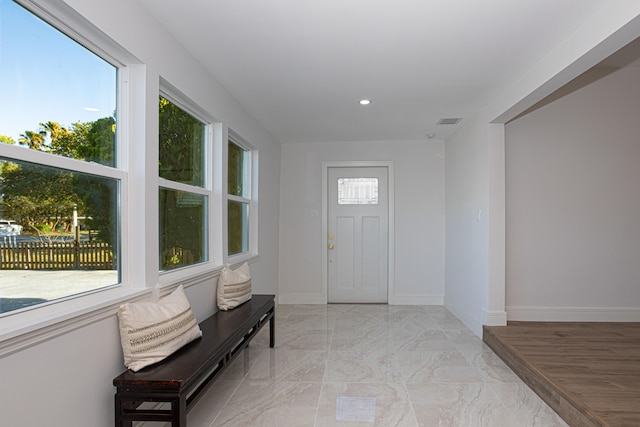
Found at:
[56, 256]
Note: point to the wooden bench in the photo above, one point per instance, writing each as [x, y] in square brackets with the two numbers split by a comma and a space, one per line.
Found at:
[183, 377]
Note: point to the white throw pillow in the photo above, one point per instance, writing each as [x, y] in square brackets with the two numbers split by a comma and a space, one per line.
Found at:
[151, 331]
[234, 287]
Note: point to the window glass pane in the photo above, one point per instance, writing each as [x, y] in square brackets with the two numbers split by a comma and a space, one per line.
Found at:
[238, 162]
[181, 145]
[56, 96]
[58, 233]
[238, 222]
[357, 191]
[182, 228]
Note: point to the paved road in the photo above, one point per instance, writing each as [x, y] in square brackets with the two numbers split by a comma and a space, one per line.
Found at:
[21, 288]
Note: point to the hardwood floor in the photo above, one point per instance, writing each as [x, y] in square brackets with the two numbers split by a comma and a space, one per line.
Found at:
[589, 373]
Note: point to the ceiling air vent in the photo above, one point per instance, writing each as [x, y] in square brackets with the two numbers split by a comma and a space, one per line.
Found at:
[449, 121]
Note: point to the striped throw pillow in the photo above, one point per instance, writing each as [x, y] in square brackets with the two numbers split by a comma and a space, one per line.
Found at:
[152, 331]
[234, 287]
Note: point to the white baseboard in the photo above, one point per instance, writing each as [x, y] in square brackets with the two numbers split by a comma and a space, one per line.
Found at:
[470, 321]
[573, 314]
[494, 318]
[301, 299]
[395, 300]
[416, 300]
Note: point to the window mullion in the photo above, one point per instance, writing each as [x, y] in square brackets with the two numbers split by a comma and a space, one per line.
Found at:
[238, 198]
[165, 183]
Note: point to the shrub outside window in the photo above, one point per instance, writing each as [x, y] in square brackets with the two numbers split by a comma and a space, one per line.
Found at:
[59, 228]
[183, 196]
[238, 199]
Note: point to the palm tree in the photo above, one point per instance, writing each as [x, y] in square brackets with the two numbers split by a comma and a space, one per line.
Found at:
[34, 140]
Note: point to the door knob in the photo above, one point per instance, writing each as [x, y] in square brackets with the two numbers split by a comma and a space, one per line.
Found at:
[330, 245]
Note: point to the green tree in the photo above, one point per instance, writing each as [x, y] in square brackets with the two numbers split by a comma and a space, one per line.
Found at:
[99, 141]
[97, 202]
[63, 142]
[90, 141]
[7, 140]
[182, 215]
[33, 140]
[43, 198]
[181, 136]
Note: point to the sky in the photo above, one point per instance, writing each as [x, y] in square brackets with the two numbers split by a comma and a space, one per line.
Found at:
[45, 76]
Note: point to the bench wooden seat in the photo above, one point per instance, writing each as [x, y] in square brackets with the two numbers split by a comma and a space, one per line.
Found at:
[183, 377]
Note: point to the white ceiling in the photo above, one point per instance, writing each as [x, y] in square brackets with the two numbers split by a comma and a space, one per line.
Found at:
[301, 66]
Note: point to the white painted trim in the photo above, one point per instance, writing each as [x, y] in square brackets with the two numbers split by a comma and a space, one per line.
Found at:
[496, 292]
[494, 318]
[35, 332]
[392, 235]
[397, 299]
[302, 299]
[470, 321]
[325, 227]
[24, 330]
[417, 299]
[252, 200]
[68, 21]
[573, 314]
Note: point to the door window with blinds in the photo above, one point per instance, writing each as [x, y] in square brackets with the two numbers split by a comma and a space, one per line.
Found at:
[357, 191]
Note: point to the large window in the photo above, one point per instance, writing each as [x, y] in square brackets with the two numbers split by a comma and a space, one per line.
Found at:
[184, 192]
[59, 183]
[238, 198]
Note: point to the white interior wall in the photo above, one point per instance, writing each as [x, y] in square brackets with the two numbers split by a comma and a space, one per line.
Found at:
[572, 205]
[67, 380]
[467, 207]
[473, 183]
[419, 217]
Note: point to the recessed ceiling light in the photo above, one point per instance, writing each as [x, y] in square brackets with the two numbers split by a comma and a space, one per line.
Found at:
[365, 102]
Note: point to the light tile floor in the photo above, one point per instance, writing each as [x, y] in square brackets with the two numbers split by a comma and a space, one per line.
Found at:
[370, 365]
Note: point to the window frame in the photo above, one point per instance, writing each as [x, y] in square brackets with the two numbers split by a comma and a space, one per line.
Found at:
[176, 97]
[250, 176]
[34, 324]
[137, 171]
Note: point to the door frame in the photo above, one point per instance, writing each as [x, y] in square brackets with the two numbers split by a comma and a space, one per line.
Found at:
[325, 222]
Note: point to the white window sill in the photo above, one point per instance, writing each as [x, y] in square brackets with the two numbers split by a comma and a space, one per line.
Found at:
[30, 326]
[187, 276]
[237, 260]
[25, 328]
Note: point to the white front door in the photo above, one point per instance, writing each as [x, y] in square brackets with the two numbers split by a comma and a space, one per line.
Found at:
[358, 234]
